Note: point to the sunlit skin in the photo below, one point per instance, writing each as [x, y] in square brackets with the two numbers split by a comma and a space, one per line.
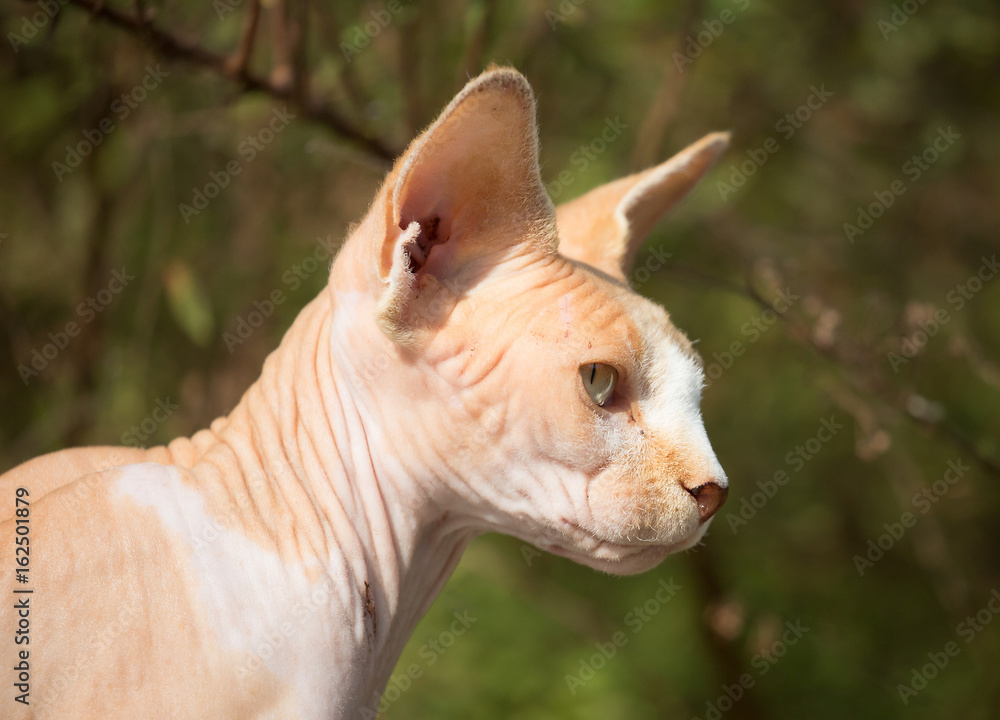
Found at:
[275, 564]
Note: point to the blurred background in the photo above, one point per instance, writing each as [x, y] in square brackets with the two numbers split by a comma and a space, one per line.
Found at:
[838, 268]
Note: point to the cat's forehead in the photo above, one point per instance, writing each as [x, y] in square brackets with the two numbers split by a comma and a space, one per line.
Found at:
[647, 324]
[659, 332]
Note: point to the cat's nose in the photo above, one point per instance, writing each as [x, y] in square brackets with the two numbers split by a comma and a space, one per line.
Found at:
[710, 497]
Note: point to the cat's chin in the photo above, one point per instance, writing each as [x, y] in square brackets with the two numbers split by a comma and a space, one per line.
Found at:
[623, 558]
[631, 562]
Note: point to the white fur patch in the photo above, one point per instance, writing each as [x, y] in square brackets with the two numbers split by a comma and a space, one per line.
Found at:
[259, 607]
[672, 383]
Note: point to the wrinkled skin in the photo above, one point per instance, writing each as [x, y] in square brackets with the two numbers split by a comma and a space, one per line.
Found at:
[275, 564]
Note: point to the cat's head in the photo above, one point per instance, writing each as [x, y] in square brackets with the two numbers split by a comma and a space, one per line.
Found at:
[496, 347]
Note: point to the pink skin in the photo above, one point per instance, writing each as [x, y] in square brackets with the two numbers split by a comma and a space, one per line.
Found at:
[431, 393]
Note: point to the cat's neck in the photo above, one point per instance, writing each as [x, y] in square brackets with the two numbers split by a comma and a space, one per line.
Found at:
[330, 490]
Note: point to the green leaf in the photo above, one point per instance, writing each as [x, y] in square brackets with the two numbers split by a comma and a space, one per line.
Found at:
[189, 304]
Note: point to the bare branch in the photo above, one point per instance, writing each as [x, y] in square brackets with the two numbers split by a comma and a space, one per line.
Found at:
[175, 48]
[281, 73]
[331, 32]
[236, 64]
[408, 36]
[477, 40]
[664, 106]
[298, 17]
[288, 35]
[875, 388]
[723, 651]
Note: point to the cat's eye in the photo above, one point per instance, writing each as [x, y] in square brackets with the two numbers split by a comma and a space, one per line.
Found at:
[599, 380]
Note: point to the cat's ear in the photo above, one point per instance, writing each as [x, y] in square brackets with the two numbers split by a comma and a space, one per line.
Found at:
[468, 191]
[606, 227]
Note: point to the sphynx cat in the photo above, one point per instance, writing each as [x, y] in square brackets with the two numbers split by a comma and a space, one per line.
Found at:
[477, 363]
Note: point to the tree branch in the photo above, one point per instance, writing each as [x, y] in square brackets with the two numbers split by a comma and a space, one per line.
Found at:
[477, 39]
[237, 63]
[175, 48]
[664, 105]
[877, 390]
[407, 42]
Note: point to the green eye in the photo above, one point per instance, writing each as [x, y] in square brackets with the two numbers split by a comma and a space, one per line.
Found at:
[599, 380]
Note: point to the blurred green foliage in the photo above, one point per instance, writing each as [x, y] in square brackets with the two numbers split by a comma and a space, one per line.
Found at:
[898, 74]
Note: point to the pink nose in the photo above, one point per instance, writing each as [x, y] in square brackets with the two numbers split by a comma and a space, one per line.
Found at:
[710, 497]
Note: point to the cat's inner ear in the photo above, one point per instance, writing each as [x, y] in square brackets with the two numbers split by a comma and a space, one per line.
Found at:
[467, 190]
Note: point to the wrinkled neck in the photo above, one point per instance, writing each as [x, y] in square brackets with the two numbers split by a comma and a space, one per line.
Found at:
[303, 455]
